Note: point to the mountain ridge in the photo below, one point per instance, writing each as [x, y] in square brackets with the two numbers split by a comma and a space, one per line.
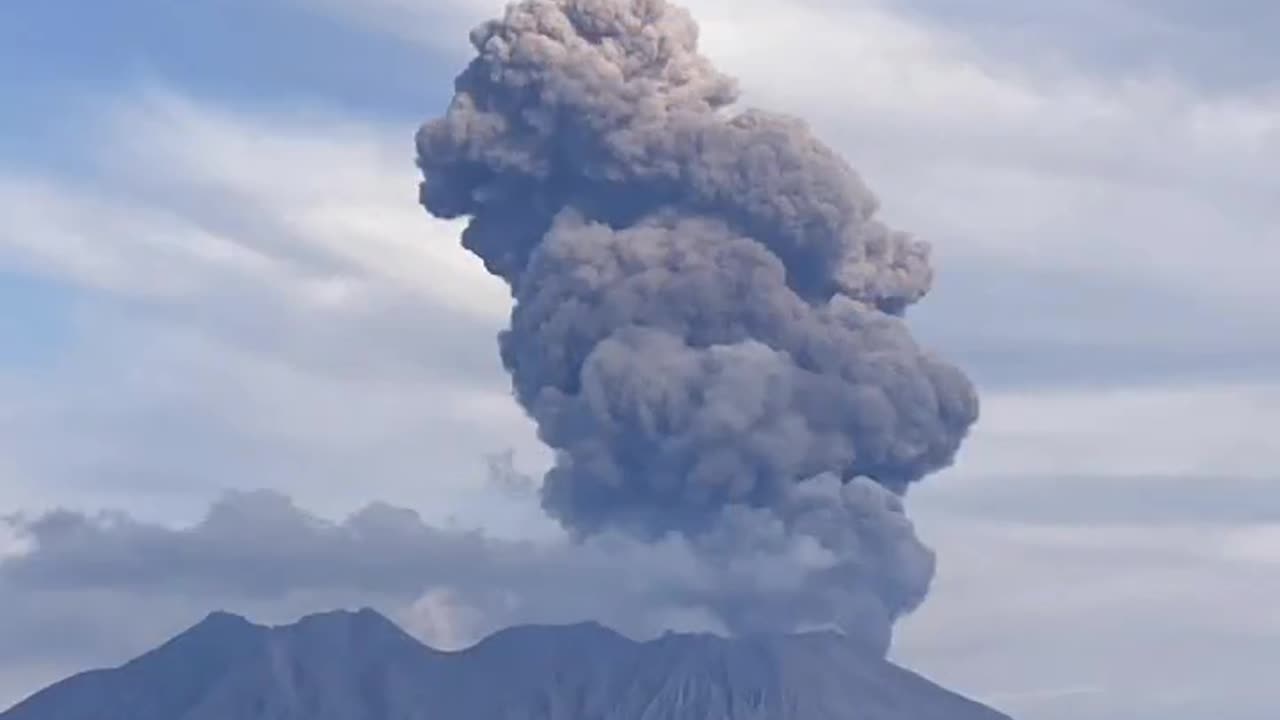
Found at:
[345, 665]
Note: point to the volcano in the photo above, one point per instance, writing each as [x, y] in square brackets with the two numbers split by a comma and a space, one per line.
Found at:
[361, 666]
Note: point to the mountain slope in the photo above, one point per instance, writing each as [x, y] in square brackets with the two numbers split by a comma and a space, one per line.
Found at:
[360, 666]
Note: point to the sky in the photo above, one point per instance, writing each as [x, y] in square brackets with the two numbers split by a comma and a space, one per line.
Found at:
[235, 353]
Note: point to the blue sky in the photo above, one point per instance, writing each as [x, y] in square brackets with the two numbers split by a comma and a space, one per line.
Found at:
[216, 278]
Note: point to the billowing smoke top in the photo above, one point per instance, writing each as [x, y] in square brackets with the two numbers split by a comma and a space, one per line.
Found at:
[707, 322]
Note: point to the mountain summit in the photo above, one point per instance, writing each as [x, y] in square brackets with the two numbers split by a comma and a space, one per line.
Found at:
[361, 666]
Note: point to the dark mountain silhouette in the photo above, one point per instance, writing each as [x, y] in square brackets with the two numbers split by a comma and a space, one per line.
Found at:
[361, 666]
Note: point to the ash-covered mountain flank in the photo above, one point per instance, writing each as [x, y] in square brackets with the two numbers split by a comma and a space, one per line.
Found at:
[360, 666]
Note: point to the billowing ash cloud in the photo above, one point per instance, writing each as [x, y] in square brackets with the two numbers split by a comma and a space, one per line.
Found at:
[258, 553]
[708, 320]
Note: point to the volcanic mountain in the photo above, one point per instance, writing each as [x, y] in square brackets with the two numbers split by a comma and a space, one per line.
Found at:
[361, 666]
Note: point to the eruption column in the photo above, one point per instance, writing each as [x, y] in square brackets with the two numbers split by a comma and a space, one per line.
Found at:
[708, 321]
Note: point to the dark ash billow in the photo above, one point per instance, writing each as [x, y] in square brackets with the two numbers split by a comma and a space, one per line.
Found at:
[708, 323]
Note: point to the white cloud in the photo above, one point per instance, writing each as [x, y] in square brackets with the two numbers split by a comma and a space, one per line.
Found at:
[265, 294]
[302, 202]
[13, 544]
[62, 230]
[1136, 176]
[1253, 544]
[335, 187]
[443, 620]
[437, 24]
[1209, 431]
[1147, 618]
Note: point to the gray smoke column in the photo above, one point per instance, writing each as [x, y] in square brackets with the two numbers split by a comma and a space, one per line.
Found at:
[708, 315]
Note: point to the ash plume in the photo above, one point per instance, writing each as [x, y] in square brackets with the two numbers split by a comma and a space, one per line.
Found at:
[708, 321]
